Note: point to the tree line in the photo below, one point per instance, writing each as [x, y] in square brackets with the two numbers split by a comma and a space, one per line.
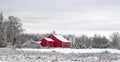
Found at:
[98, 41]
[11, 34]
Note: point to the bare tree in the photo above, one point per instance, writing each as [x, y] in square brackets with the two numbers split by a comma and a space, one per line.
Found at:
[99, 41]
[115, 37]
[13, 29]
[82, 42]
[1, 29]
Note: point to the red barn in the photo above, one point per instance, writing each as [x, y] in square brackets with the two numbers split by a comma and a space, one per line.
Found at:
[46, 42]
[57, 41]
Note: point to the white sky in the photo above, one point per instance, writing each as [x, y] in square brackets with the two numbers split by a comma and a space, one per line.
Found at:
[65, 16]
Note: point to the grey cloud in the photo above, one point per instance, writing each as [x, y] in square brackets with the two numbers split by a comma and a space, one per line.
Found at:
[65, 15]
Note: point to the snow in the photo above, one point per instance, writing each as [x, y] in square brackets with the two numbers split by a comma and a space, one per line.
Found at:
[48, 39]
[32, 55]
[28, 42]
[48, 55]
[61, 38]
[68, 50]
[38, 42]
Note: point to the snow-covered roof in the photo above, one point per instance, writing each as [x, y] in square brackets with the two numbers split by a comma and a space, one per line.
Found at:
[61, 38]
[37, 41]
[48, 39]
[28, 42]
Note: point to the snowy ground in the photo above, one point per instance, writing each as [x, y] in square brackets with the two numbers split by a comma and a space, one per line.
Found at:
[59, 55]
[68, 50]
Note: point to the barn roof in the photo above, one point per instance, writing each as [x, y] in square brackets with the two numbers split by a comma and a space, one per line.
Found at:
[61, 38]
[48, 39]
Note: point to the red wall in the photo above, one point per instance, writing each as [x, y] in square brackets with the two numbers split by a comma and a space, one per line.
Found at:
[50, 43]
[66, 44]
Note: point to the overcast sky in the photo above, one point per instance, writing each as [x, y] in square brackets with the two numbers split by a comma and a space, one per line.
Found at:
[65, 16]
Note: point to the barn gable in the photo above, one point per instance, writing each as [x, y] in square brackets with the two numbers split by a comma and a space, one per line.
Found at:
[59, 41]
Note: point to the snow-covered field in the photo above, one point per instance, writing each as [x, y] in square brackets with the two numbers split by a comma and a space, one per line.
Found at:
[68, 50]
[59, 55]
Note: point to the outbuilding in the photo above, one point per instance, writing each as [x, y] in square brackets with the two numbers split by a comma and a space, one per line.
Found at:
[47, 42]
